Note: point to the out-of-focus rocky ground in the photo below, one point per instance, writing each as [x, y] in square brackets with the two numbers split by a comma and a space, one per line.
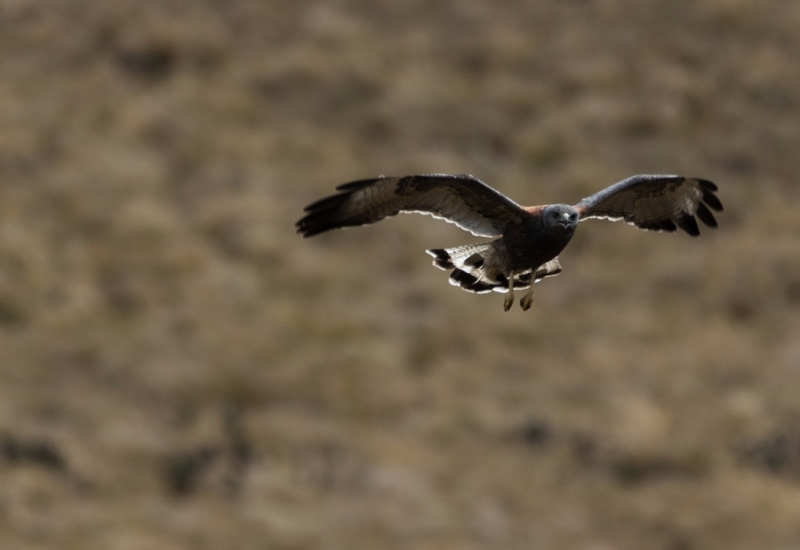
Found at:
[178, 370]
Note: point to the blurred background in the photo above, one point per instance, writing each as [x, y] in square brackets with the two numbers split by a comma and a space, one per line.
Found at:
[179, 370]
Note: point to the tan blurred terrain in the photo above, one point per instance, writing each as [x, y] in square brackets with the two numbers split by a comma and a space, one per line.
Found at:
[178, 370]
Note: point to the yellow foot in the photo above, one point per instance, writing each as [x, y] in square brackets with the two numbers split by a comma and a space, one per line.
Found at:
[526, 301]
[509, 300]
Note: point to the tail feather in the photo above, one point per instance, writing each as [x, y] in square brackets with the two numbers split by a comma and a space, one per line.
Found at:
[470, 282]
[475, 268]
[467, 257]
[550, 269]
[479, 281]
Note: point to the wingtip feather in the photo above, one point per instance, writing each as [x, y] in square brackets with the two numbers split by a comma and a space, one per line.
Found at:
[706, 216]
[324, 214]
[358, 184]
[712, 200]
[688, 224]
[707, 185]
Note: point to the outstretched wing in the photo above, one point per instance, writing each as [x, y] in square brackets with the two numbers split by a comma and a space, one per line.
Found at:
[657, 203]
[460, 199]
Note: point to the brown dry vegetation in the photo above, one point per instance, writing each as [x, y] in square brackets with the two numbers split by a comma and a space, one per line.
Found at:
[178, 370]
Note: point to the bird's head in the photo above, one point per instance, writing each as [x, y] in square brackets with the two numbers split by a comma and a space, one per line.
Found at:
[561, 217]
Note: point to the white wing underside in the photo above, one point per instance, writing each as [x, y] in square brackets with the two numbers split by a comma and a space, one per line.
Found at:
[468, 221]
[650, 208]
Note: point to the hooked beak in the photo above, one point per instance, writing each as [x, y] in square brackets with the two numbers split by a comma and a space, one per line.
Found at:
[564, 220]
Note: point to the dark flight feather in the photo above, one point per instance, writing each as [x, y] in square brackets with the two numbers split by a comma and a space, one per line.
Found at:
[655, 203]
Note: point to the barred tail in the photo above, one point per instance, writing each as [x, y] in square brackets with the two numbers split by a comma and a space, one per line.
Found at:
[479, 281]
[468, 257]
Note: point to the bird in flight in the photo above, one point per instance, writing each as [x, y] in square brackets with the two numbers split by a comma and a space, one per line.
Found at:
[528, 239]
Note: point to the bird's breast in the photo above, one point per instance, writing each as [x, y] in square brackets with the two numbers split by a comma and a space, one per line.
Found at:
[531, 245]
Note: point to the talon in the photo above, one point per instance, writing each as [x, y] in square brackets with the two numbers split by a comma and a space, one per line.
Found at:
[509, 300]
[527, 301]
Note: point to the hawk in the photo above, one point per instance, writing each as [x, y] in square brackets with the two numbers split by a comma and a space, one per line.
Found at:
[528, 239]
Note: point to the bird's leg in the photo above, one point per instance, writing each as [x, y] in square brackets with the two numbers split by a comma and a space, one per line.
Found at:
[527, 301]
[509, 300]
